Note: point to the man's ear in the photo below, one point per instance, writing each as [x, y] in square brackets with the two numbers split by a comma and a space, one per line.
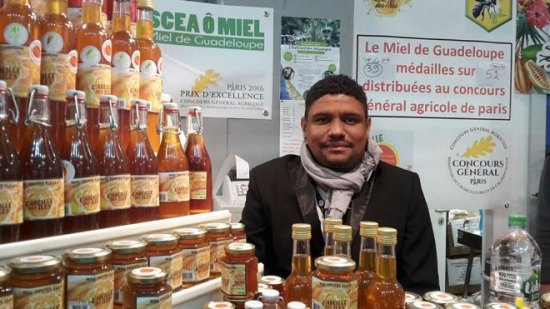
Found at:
[303, 124]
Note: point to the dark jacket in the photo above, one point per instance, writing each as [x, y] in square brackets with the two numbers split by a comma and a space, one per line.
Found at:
[281, 193]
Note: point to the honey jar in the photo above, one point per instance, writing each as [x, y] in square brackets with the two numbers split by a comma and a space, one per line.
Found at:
[219, 305]
[218, 236]
[127, 255]
[195, 255]
[90, 278]
[163, 252]
[36, 280]
[237, 232]
[6, 295]
[440, 298]
[334, 273]
[239, 268]
[545, 301]
[147, 288]
[273, 282]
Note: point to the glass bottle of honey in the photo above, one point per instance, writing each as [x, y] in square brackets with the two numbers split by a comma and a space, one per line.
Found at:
[385, 291]
[20, 53]
[114, 167]
[342, 240]
[11, 184]
[173, 166]
[80, 169]
[124, 66]
[150, 83]
[143, 167]
[94, 63]
[42, 171]
[200, 167]
[328, 234]
[59, 62]
[366, 269]
[297, 286]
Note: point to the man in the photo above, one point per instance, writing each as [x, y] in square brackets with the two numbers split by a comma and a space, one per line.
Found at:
[339, 174]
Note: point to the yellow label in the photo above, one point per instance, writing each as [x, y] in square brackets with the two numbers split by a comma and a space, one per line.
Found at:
[150, 89]
[196, 264]
[115, 192]
[47, 296]
[174, 186]
[171, 265]
[145, 190]
[163, 301]
[6, 302]
[233, 279]
[334, 294]
[56, 74]
[11, 202]
[91, 291]
[82, 196]
[197, 181]
[121, 273]
[95, 81]
[216, 253]
[43, 199]
[124, 80]
[19, 67]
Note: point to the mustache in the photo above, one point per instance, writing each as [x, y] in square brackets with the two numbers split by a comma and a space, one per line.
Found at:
[336, 143]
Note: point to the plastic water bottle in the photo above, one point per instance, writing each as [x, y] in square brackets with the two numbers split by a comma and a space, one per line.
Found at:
[515, 266]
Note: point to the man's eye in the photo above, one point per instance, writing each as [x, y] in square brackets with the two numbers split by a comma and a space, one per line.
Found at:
[351, 120]
[321, 120]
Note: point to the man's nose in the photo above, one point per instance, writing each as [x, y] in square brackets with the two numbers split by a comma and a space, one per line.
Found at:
[336, 128]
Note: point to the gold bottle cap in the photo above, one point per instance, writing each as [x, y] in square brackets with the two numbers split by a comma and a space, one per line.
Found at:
[342, 233]
[126, 246]
[330, 223]
[87, 255]
[190, 233]
[216, 227]
[386, 236]
[301, 231]
[161, 239]
[368, 228]
[34, 264]
[144, 4]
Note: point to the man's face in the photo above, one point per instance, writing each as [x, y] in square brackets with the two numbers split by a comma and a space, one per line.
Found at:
[336, 131]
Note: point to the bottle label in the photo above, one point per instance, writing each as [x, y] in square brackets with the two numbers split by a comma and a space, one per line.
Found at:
[82, 196]
[333, 294]
[6, 302]
[11, 202]
[36, 297]
[125, 77]
[174, 186]
[196, 264]
[58, 72]
[198, 180]
[19, 65]
[43, 199]
[216, 253]
[121, 273]
[233, 279]
[115, 192]
[91, 291]
[171, 265]
[509, 281]
[150, 83]
[93, 77]
[155, 302]
[145, 190]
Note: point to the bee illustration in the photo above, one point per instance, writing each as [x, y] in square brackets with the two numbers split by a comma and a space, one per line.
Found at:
[484, 6]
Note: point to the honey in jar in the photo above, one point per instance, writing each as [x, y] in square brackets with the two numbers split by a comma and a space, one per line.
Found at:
[127, 255]
[147, 288]
[219, 305]
[239, 271]
[90, 278]
[273, 282]
[195, 255]
[218, 235]
[6, 295]
[334, 285]
[237, 232]
[37, 280]
[163, 252]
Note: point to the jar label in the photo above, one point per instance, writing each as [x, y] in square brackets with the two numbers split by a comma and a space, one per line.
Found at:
[58, 72]
[233, 279]
[115, 192]
[125, 77]
[150, 83]
[197, 181]
[20, 66]
[89, 291]
[43, 199]
[6, 302]
[155, 302]
[216, 253]
[36, 297]
[145, 190]
[333, 294]
[82, 196]
[11, 202]
[93, 79]
[196, 264]
[174, 187]
[171, 265]
[121, 273]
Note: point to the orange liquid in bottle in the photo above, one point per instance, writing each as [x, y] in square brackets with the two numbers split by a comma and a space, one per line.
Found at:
[16, 55]
[150, 83]
[173, 166]
[42, 173]
[143, 167]
[114, 168]
[81, 170]
[94, 63]
[59, 63]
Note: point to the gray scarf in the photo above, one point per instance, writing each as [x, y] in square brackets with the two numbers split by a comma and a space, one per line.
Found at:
[341, 186]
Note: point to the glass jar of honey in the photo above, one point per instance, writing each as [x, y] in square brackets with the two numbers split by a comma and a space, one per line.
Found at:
[6, 295]
[273, 282]
[218, 234]
[163, 252]
[239, 269]
[195, 255]
[127, 255]
[90, 278]
[219, 305]
[147, 288]
[37, 280]
[237, 232]
[334, 282]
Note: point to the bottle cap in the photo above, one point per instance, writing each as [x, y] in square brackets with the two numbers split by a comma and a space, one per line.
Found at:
[342, 233]
[387, 236]
[108, 97]
[40, 89]
[253, 304]
[517, 220]
[80, 95]
[165, 98]
[240, 248]
[330, 223]
[301, 231]
[270, 294]
[335, 263]
[161, 239]
[144, 4]
[368, 228]
[170, 107]
[295, 305]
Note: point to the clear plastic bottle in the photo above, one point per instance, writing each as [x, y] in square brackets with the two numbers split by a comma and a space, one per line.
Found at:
[515, 266]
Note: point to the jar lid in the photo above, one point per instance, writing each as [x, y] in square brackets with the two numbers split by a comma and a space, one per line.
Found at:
[368, 228]
[161, 239]
[301, 231]
[335, 263]
[439, 297]
[126, 246]
[410, 297]
[216, 227]
[342, 233]
[190, 233]
[386, 236]
[33, 264]
[146, 275]
[499, 306]
[219, 305]
[240, 248]
[237, 226]
[421, 304]
[4, 273]
[461, 305]
[271, 280]
[270, 294]
[87, 255]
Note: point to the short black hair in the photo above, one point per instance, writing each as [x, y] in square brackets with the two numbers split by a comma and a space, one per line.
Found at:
[335, 84]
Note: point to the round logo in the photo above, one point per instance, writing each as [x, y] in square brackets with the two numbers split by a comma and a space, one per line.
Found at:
[107, 50]
[478, 160]
[72, 61]
[52, 42]
[121, 61]
[35, 51]
[136, 60]
[16, 34]
[148, 68]
[389, 154]
[90, 55]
